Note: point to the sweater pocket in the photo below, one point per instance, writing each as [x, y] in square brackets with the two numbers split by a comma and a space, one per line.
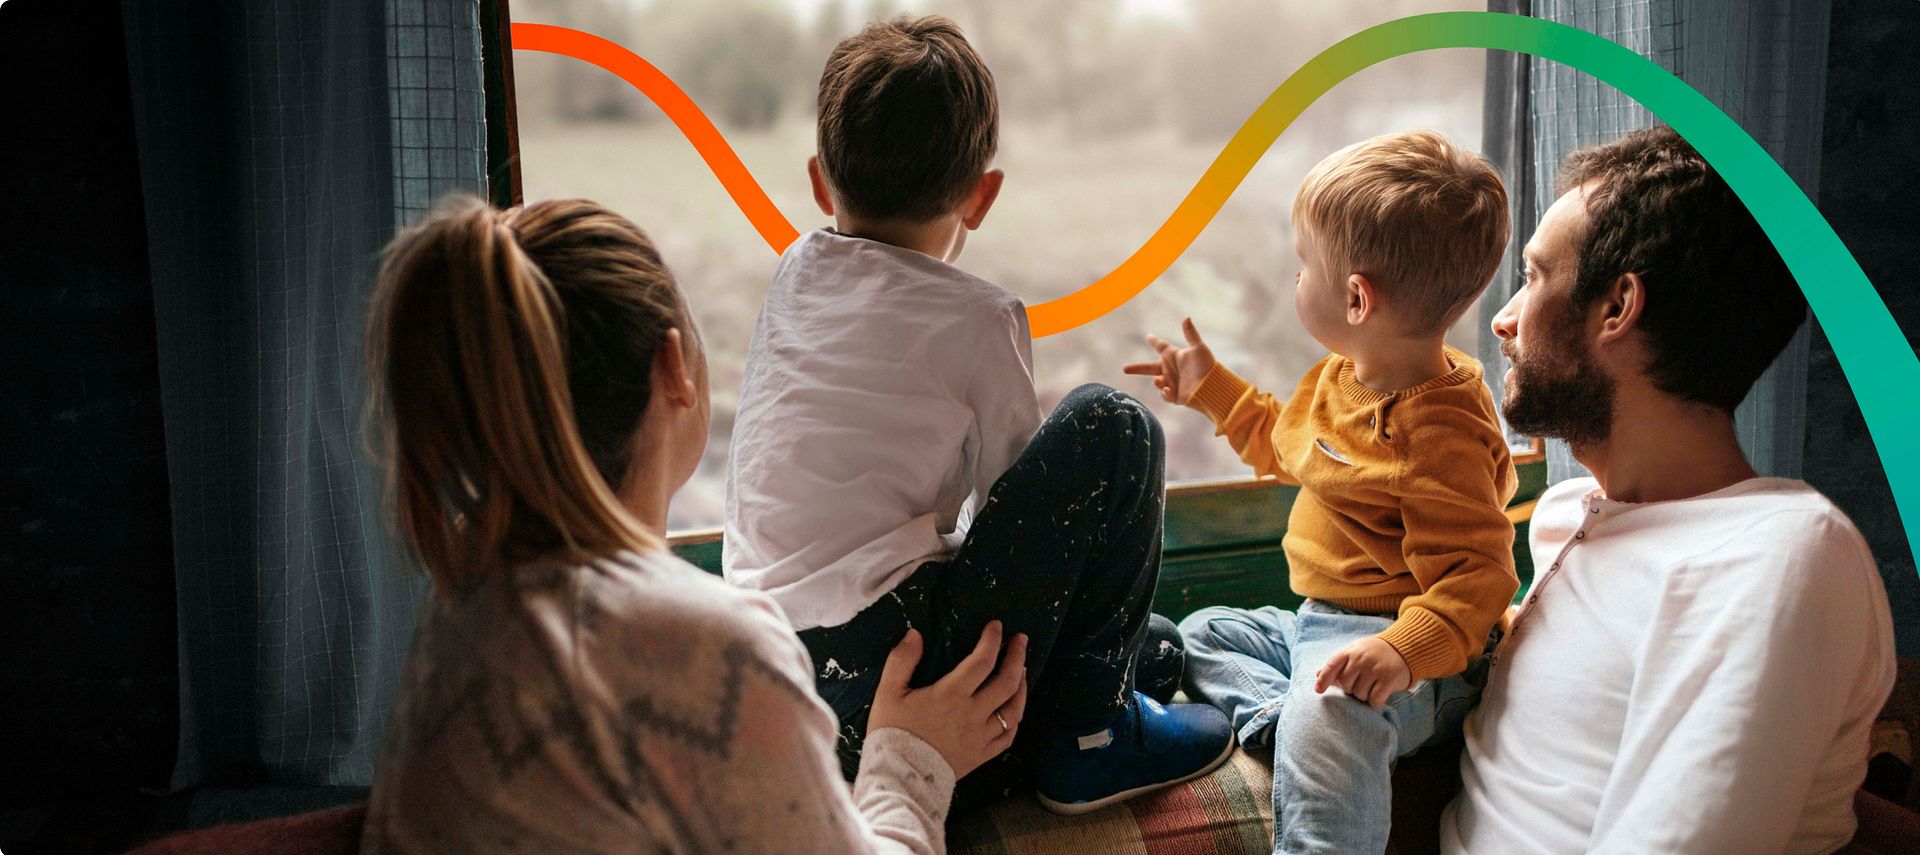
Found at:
[1330, 452]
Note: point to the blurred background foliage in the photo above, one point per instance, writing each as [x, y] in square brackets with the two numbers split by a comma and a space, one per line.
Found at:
[1111, 110]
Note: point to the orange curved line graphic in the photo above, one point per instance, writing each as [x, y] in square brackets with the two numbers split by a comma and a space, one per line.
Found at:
[1055, 316]
[673, 101]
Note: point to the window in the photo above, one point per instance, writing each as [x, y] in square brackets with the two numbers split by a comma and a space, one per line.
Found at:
[1110, 112]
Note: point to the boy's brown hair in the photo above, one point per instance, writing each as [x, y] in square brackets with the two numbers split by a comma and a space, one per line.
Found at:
[1422, 218]
[908, 119]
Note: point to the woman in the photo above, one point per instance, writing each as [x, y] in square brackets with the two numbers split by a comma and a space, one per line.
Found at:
[573, 687]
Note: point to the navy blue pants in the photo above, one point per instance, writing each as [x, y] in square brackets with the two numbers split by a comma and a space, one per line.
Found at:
[1067, 550]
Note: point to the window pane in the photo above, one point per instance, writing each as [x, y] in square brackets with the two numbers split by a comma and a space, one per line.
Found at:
[1111, 110]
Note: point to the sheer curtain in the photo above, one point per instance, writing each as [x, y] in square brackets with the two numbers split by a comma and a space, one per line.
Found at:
[1764, 63]
[280, 144]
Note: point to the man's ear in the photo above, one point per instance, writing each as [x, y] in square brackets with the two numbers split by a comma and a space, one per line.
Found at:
[1363, 299]
[1618, 310]
[821, 195]
[672, 382]
[982, 199]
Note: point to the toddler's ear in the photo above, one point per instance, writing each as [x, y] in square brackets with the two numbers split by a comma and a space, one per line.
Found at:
[1363, 299]
[821, 195]
[982, 199]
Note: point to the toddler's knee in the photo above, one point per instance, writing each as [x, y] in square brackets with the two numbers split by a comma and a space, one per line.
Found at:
[1202, 628]
[1328, 712]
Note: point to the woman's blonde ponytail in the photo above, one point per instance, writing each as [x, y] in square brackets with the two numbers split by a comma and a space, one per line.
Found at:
[485, 321]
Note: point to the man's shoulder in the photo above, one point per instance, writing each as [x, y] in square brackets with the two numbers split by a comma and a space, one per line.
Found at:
[1781, 526]
[1771, 514]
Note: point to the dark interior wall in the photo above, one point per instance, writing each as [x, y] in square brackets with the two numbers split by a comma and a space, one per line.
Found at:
[1869, 184]
[87, 681]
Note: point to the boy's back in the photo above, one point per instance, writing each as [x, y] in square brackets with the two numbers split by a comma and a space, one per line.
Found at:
[883, 388]
[887, 392]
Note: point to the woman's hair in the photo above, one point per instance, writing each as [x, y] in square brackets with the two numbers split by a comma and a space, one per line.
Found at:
[510, 355]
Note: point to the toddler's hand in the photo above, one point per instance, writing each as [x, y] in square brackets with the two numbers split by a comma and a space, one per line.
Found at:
[1368, 669]
[1179, 369]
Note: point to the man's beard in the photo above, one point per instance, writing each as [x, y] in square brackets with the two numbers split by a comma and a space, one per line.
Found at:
[1557, 391]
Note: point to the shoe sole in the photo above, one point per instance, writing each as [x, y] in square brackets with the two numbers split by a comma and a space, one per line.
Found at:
[1077, 808]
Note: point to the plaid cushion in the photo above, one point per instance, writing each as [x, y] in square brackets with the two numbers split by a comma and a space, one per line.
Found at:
[1225, 813]
[1229, 811]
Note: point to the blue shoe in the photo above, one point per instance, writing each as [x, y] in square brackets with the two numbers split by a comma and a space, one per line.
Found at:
[1147, 747]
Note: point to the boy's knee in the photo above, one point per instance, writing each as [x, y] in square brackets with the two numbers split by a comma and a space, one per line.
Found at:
[1163, 640]
[1098, 407]
[1160, 627]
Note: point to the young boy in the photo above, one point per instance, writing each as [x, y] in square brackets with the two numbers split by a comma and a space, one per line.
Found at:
[1399, 538]
[886, 473]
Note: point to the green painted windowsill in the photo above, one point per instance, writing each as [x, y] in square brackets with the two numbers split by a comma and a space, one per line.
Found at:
[1222, 543]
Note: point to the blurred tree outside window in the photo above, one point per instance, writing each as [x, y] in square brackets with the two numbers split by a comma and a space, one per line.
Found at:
[1111, 110]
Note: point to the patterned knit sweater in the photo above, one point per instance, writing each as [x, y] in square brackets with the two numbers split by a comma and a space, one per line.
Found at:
[634, 704]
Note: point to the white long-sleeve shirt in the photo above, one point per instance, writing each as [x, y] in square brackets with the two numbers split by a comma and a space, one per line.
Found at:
[1694, 676]
[633, 704]
[884, 390]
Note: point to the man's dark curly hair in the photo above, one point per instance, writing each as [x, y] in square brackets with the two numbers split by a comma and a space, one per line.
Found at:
[1720, 304]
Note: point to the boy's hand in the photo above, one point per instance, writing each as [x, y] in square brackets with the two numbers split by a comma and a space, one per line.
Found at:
[1368, 669]
[1179, 369]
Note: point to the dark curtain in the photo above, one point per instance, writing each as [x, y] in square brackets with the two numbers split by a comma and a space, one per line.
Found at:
[280, 144]
[87, 698]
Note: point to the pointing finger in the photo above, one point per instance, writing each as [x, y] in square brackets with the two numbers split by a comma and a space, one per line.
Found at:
[1192, 332]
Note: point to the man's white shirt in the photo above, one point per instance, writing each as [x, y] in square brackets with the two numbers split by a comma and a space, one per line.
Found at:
[1698, 675]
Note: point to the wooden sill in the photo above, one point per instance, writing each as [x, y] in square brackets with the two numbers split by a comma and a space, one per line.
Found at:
[1518, 513]
[1535, 453]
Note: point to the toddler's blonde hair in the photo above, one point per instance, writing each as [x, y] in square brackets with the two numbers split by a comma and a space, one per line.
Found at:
[1421, 217]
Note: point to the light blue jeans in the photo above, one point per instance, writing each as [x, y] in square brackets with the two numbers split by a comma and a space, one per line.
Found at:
[1332, 755]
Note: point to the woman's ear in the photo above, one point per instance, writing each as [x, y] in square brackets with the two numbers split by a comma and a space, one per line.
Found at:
[821, 195]
[671, 379]
[1362, 299]
[982, 199]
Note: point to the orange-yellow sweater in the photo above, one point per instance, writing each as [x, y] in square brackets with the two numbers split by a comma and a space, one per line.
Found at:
[1402, 507]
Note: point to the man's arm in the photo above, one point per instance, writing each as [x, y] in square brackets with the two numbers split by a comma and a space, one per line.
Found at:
[1755, 674]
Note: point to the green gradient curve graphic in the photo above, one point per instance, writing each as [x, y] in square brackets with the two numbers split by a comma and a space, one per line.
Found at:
[1881, 368]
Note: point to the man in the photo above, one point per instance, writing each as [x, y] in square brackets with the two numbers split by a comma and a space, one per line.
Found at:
[1703, 651]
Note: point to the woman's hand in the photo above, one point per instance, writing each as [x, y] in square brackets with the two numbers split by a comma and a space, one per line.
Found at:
[971, 714]
[1179, 370]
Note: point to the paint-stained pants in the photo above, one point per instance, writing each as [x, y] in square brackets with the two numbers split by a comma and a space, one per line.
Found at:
[1067, 550]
